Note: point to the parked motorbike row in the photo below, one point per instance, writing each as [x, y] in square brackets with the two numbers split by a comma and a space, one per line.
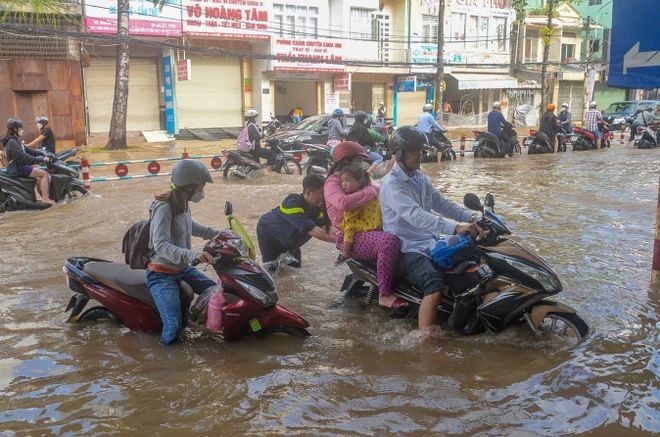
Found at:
[580, 139]
[507, 284]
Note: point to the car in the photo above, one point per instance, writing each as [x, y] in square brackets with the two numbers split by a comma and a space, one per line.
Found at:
[617, 113]
[311, 130]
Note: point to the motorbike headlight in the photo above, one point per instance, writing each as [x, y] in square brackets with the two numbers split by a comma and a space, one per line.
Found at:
[265, 298]
[547, 281]
[239, 245]
[620, 120]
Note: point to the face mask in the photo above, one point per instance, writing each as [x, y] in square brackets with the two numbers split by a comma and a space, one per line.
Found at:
[197, 197]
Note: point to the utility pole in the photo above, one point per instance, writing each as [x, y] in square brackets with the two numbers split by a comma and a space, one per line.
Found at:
[440, 63]
[587, 74]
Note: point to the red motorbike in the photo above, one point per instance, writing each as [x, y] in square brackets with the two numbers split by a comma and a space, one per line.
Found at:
[250, 293]
[583, 139]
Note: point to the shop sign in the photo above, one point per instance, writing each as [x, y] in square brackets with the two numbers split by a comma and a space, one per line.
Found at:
[303, 55]
[484, 4]
[28, 75]
[406, 84]
[184, 70]
[427, 53]
[331, 101]
[168, 87]
[144, 18]
[342, 82]
[232, 19]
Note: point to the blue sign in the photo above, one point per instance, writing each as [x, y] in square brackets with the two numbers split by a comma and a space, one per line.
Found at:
[407, 84]
[170, 124]
[635, 49]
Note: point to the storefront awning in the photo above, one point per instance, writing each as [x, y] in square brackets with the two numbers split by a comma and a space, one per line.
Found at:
[483, 81]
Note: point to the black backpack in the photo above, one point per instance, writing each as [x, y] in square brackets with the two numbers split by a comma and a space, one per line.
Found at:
[135, 245]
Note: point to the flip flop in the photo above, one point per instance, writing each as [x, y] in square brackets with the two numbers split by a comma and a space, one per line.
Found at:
[396, 304]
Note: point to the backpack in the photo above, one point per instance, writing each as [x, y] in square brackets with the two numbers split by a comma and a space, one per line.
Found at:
[243, 142]
[135, 245]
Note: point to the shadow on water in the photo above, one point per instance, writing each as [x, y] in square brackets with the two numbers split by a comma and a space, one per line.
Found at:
[590, 215]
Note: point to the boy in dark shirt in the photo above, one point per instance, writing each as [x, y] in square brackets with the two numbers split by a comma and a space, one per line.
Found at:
[292, 224]
[46, 136]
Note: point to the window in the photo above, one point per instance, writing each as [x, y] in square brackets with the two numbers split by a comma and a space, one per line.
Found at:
[296, 21]
[595, 46]
[360, 23]
[531, 46]
[472, 32]
[500, 33]
[567, 51]
[483, 33]
[595, 2]
[430, 28]
[381, 30]
[457, 29]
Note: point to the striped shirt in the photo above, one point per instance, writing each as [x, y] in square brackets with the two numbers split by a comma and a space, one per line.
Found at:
[591, 118]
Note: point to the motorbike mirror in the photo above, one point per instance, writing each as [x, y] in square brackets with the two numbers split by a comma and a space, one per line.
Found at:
[472, 202]
[490, 200]
[229, 209]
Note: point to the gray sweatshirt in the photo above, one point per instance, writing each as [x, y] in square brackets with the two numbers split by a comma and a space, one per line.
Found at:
[335, 130]
[170, 236]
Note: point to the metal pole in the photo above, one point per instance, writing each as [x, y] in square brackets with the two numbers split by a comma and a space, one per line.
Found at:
[655, 269]
[440, 73]
[587, 98]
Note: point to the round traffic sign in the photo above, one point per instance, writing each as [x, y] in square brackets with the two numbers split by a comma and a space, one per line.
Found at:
[153, 167]
[121, 170]
[216, 162]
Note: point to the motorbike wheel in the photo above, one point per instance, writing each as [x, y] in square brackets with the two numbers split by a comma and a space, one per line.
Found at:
[293, 331]
[98, 313]
[291, 167]
[235, 171]
[448, 155]
[76, 192]
[318, 164]
[568, 326]
[517, 149]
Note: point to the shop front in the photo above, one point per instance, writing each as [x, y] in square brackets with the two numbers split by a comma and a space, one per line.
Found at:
[33, 87]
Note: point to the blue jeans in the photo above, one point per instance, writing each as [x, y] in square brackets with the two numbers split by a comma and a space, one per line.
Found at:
[165, 291]
[375, 157]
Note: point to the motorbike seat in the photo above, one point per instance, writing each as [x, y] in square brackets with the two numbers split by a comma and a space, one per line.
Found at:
[131, 282]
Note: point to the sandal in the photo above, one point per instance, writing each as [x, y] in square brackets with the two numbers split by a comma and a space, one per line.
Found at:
[340, 260]
[396, 304]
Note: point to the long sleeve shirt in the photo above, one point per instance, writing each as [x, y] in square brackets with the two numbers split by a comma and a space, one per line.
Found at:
[170, 236]
[336, 201]
[19, 156]
[496, 122]
[335, 130]
[427, 122]
[407, 204]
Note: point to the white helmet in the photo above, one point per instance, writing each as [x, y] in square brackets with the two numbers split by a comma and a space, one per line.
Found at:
[564, 105]
[593, 105]
[428, 107]
[250, 113]
[497, 105]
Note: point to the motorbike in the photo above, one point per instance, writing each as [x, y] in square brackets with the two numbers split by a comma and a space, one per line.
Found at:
[538, 142]
[508, 285]
[17, 193]
[488, 145]
[583, 140]
[273, 126]
[241, 165]
[251, 296]
[319, 159]
[645, 138]
[445, 151]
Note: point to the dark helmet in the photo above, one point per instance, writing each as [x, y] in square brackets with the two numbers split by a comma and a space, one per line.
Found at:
[361, 117]
[14, 123]
[406, 139]
[190, 172]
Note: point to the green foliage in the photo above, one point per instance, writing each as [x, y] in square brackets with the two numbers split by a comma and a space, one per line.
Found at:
[546, 35]
[51, 13]
[520, 7]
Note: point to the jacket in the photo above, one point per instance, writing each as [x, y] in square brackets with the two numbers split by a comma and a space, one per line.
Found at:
[19, 156]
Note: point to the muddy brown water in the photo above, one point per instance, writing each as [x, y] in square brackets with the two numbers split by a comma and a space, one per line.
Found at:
[591, 215]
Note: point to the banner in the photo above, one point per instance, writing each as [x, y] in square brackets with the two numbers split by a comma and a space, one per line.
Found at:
[100, 16]
[301, 54]
[229, 19]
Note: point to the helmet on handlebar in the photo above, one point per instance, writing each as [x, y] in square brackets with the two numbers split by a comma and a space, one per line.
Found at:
[190, 172]
[406, 139]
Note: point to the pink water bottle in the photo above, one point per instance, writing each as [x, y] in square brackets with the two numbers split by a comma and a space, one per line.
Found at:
[214, 314]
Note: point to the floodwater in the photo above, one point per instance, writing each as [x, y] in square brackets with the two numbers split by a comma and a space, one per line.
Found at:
[590, 214]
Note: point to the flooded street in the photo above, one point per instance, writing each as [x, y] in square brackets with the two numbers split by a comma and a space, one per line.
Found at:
[591, 215]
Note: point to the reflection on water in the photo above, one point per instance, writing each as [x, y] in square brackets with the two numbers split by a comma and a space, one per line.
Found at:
[590, 215]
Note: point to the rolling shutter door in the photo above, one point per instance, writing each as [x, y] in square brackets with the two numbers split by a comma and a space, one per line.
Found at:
[572, 92]
[213, 97]
[410, 106]
[143, 109]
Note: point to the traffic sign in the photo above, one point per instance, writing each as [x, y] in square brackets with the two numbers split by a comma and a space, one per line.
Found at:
[635, 49]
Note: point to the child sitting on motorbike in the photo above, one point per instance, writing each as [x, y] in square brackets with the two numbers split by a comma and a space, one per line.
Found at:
[293, 223]
[170, 240]
[367, 220]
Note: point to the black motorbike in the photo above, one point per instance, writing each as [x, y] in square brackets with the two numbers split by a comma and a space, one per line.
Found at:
[539, 143]
[445, 151]
[241, 165]
[503, 283]
[17, 193]
[319, 159]
[488, 145]
[645, 138]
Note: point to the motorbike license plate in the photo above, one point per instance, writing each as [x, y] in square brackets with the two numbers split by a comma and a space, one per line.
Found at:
[638, 137]
[574, 138]
[255, 325]
[528, 141]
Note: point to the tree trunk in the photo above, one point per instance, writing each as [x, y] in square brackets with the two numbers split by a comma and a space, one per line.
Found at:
[117, 135]
[546, 55]
[513, 64]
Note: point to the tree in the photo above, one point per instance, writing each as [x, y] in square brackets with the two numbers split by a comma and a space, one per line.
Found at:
[520, 8]
[117, 133]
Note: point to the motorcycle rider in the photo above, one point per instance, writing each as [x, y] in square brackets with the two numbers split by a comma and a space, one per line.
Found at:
[496, 125]
[46, 136]
[359, 133]
[255, 138]
[645, 118]
[381, 113]
[550, 125]
[591, 120]
[566, 119]
[408, 200]
[335, 128]
[22, 160]
[427, 123]
[170, 241]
